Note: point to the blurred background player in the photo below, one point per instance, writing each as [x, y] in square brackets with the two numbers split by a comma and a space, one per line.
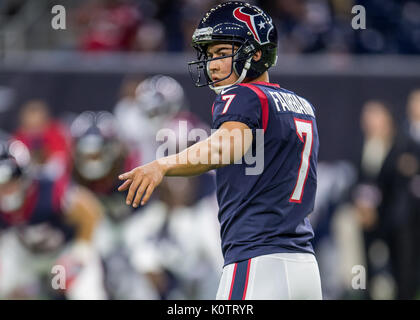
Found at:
[99, 154]
[398, 209]
[408, 164]
[143, 110]
[155, 103]
[373, 194]
[47, 139]
[175, 240]
[130, 118]
[45, 223]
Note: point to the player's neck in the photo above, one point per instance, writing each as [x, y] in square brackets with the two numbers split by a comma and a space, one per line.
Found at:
[262, 78]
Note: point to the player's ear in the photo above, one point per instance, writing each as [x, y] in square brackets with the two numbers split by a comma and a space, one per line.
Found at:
[257, 55]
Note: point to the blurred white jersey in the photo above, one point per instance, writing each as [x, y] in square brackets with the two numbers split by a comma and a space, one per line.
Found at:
[136, 129]
[185, 241]
[24, 274]
[123, 282]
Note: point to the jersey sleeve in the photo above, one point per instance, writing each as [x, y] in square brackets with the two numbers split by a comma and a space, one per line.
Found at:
[237, 104]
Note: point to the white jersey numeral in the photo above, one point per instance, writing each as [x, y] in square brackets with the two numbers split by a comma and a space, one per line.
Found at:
[229, 98]
[303, 128]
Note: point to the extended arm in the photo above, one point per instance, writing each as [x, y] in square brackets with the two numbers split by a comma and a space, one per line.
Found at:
[225, 146]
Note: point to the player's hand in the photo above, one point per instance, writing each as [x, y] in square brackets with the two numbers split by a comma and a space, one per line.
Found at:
[139, 180]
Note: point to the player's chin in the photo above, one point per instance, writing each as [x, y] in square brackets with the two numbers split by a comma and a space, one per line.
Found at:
[222, 83]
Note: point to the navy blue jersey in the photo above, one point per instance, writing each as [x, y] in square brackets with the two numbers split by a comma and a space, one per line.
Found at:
[40, 224]
[267, 212]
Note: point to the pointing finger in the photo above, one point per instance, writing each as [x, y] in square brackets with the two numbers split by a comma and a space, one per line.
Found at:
[132, 191]
[140, 192]
[125, 185]
[149, 192]
[127, 175]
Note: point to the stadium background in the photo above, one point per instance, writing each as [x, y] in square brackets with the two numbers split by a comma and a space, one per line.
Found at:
[321, 57]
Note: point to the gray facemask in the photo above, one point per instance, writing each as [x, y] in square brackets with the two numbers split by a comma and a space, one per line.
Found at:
[94, 169]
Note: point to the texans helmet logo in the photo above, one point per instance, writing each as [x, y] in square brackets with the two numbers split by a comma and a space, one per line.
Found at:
[256, 23]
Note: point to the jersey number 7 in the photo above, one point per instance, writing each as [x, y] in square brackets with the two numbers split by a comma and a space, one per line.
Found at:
[303, 128]
[229, 98]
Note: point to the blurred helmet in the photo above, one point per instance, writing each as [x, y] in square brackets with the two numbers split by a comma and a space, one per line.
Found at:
[14, 164]
[240, 24]
[97, 147]
[160, 97]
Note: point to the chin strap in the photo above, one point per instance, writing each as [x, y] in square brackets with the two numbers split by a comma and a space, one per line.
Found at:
[240, 79]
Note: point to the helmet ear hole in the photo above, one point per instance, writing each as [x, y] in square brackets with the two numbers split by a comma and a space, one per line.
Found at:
[257, 56]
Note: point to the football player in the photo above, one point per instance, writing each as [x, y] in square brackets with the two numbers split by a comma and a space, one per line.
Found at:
[174, 242]
[264, 202]
[46, 138]
[45, 224]
[99, 153]
[145, 109]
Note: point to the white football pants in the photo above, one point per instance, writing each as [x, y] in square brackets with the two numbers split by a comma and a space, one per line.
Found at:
[279, 276]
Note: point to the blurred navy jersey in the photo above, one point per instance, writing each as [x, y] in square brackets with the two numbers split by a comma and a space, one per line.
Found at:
[267, 212]
[40, 223]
